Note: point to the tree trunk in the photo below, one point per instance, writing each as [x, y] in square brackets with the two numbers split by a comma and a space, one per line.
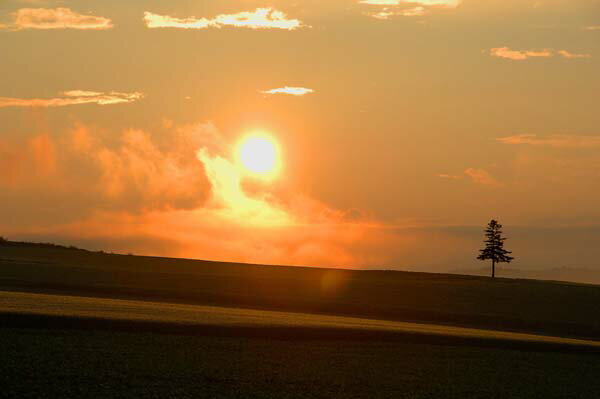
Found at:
[493, 268]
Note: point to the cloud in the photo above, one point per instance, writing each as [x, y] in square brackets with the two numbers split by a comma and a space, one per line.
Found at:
[404, 8]
[481, 176]
[387, 13]
[73, 97]
[83, 171]
[57, 18]
[428, 3]
[261, 18]
[597, 27]
[555, 141]
[450, 177]
[180, 186]
[505, 52]
[520, 55]
[293, 91]
[566, 54]
[178, 191]
[407, 8]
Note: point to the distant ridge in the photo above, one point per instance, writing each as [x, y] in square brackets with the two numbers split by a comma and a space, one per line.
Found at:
[559, 274]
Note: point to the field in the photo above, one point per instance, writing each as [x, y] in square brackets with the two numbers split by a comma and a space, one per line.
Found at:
[81, 324]
[56, 363]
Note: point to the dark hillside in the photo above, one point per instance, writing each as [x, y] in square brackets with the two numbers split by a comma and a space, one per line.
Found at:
[523, 305]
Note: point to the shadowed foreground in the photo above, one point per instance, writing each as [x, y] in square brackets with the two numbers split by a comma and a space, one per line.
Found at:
[84, 364]
[80, 324]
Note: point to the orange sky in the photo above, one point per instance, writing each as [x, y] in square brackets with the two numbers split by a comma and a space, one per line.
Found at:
[402, 128]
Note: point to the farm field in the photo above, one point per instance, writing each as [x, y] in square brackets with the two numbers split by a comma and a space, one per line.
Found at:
[40, 363]
[529, 306]
[80, 324]
[210, 318]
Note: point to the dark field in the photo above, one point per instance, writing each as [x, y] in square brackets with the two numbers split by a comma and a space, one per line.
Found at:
[80, 324]
[549, 308]
[76, 364]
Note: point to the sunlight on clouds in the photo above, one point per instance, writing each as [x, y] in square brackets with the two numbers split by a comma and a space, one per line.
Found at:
[231, 201]
[556, 141]
[441, 3]
[293, 91]
[566, 54]
[477, 176]
[180, 195]
[413, 8]
[505, 52]
[520, 55]
[261, 18]
[447, 176]
[73, 97]
[57, 18]
[482, 176]
[387, 13]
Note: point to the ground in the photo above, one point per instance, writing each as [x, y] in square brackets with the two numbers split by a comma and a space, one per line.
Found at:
[85, 364]
[80, 324]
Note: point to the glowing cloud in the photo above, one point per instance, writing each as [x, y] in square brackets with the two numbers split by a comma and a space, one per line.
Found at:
[556, 141]
[387, 13]
[566, 54]
[293, 91]
[505, 52]
[261, 18]
[450, 177]
[73, 97]
[482, 176]
[520, 55]
[57, 18]
[182, 195]
[416, 8]
[438, 3]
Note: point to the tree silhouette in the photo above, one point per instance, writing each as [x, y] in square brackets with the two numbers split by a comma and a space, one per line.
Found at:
[494, 246]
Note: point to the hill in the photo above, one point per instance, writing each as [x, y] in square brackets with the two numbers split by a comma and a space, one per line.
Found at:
[75, 323]
[551, 308]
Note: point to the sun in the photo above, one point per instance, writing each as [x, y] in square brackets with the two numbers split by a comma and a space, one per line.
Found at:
[258, 155]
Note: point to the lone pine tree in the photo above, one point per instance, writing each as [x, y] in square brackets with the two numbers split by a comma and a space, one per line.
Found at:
[494, 246]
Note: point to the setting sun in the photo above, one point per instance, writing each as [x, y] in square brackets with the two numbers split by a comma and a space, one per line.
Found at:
[258, 155]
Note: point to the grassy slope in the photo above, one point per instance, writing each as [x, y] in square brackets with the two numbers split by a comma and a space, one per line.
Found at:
[216, 352]
[117, 314]
[530, 306]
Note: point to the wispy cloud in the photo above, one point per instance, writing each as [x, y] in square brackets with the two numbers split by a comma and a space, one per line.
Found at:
[520, 55]
[482, 176]
[73, 97]
[438, 3]
[449, 177]
[387, 13]
[596, 27]
[566, 54]
[478, 176]
[56, 18]
[261, 18]
[555, 141]
[406, 8]
[293, 91]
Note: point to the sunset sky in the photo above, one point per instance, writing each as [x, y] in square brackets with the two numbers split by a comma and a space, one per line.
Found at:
[397, 129]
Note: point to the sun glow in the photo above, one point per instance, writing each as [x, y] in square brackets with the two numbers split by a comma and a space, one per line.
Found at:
[258, 155]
